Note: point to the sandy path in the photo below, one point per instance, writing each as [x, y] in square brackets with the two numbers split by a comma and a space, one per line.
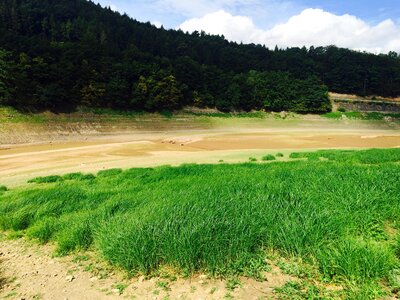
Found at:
[29, 272]
[19, 163]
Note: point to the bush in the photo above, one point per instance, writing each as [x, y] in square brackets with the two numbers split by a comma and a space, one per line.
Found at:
[279, 154]
[252, 159]
[341, 109]
[3, 188]
[268, 157]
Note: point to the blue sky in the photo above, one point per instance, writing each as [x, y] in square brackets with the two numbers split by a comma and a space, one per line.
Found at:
[371, 11]
[260, 19]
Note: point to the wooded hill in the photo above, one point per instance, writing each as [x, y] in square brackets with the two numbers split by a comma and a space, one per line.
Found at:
[60, 54]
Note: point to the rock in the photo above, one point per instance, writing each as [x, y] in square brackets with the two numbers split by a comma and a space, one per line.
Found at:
[69, 278]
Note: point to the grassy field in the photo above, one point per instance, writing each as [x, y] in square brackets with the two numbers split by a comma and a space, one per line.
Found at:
[327, 218]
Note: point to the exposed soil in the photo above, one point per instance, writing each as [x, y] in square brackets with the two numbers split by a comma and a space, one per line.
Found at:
[32, 273]
[21, 162]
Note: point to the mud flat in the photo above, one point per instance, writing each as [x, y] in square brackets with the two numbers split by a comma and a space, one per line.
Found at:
[185, 141]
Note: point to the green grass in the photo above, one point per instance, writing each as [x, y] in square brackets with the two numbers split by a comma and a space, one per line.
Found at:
[370, 156]
[268, 157]
[70, 176]
[361, 115]
[340, 216]
[3, 188]
[46, 179]
[254, 115]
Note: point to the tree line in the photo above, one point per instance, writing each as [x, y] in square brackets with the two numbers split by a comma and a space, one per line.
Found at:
[60, 54]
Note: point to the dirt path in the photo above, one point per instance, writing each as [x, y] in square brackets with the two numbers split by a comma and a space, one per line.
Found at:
[30, 272]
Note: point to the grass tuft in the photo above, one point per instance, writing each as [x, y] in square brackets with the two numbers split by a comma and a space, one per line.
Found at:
[47, 179]
[269, 157]
[109, 173]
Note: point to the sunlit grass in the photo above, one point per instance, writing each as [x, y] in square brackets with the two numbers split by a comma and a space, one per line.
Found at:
[333, 213]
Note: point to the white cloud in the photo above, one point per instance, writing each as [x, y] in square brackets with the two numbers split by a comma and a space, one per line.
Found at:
[235, 28]
[310, 27]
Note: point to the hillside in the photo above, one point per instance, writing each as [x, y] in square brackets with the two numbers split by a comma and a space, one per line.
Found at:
[63, 54]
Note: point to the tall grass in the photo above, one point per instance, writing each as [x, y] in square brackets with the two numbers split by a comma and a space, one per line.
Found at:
[221, 218]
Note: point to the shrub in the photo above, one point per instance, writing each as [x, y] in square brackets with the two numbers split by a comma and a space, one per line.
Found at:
[279, 154]
[341, 109]
[252, 159]
[3, 188]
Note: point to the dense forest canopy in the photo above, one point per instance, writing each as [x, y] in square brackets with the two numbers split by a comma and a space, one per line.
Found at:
[60, 54]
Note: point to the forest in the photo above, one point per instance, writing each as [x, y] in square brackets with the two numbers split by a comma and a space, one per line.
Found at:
[64, 54]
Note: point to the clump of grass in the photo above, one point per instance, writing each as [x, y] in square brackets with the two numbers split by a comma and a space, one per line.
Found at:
[221, 218]
[3, 188]
[356, 260]
[78, 176]
[47, 179]
[279, 154]
[233, 283]
[252, 159]
[73, 176]
[110, 172]
[269, 157]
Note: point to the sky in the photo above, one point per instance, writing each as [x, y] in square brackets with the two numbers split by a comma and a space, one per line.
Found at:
[368, 25]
